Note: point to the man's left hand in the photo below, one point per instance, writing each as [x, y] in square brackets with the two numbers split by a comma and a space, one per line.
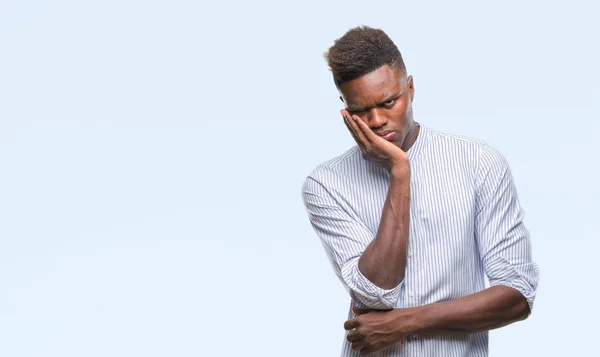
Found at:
[374, 330]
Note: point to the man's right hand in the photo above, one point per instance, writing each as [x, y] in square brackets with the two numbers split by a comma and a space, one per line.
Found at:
[375, 148]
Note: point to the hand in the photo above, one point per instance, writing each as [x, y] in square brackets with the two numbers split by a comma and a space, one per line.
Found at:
[374, 330]
[374, 148]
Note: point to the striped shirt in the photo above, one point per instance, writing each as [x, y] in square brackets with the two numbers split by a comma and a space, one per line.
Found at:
[466, 223]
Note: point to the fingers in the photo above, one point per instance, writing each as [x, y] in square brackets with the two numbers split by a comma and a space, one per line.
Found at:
[354, 131]
[351, 130]
[359, 345]
[355, 128]
[356, 338]
[366, 351]
[358, 142]
[351, 324]
[365, 129]
[354, 335]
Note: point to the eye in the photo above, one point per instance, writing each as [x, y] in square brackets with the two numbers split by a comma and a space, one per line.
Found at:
[389, 103]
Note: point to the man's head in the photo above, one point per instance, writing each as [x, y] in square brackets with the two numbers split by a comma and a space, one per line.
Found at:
[370, 75]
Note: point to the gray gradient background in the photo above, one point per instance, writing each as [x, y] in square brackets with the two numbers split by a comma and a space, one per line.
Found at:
[152, 155]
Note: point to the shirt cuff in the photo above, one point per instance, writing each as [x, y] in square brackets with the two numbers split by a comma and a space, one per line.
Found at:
[363, 290]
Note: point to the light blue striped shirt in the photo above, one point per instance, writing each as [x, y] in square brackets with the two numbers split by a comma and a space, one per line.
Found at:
[465, 223]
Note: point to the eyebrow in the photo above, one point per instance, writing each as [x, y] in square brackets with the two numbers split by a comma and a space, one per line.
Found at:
[362, 109]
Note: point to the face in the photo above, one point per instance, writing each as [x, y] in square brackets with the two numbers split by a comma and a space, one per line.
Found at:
[383, 99]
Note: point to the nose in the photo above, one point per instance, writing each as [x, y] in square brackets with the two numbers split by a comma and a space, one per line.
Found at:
[376, 118]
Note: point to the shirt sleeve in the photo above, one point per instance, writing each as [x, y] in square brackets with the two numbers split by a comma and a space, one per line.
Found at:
[344, 238]
[503, 241]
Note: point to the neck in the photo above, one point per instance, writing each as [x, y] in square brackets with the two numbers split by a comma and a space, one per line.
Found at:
[411, 137]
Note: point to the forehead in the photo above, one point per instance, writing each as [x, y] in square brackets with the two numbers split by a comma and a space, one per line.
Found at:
[373, 87]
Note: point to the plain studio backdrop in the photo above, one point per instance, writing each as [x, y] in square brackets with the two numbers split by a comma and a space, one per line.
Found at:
[152, 155]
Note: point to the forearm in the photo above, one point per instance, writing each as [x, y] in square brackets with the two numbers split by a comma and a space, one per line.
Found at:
[384, 260]
[491, 308]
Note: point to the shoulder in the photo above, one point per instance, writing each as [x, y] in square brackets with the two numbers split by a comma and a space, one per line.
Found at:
[337, 167]
[455, 141]
[479, 150]
[330, 178]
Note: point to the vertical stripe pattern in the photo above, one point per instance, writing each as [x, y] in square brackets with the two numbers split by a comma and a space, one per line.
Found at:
[465, 224]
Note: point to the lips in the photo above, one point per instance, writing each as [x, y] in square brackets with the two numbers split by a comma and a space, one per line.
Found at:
[387, 135]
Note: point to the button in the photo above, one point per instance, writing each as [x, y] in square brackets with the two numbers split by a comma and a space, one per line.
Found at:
[410, 254]
[411, 294]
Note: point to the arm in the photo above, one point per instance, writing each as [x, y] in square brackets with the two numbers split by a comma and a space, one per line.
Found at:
[384, 260]
[491, 308]
[505, 251]
[370, 267]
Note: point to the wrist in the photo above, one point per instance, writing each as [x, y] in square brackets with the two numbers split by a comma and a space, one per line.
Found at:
[428, 318]
[400, 167]
[400, 171]
[415, 320]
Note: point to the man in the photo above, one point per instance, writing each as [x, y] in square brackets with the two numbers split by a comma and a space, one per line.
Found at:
[413, 219]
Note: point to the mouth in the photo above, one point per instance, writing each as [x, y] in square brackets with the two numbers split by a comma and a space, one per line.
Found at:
[387, 135]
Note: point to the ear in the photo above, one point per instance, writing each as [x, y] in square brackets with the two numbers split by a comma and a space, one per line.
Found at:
[411, 87]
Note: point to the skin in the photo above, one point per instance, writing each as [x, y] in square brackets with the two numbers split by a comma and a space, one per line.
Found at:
[382, 100]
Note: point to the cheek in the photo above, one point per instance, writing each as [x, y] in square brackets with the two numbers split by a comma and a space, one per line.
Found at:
[405, 105]
[401, 111]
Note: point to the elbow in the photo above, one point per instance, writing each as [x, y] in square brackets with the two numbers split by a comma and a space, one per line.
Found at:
[522, 309]
[368, 293]
[526, 313]
[522, 279]
[519, 301]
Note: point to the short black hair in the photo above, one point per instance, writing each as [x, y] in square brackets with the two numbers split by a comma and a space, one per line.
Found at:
[359, 51]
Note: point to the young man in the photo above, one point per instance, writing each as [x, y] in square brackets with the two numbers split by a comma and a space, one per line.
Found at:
[412, 219]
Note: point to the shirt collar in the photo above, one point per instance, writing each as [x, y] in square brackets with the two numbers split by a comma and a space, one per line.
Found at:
[419, 143]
